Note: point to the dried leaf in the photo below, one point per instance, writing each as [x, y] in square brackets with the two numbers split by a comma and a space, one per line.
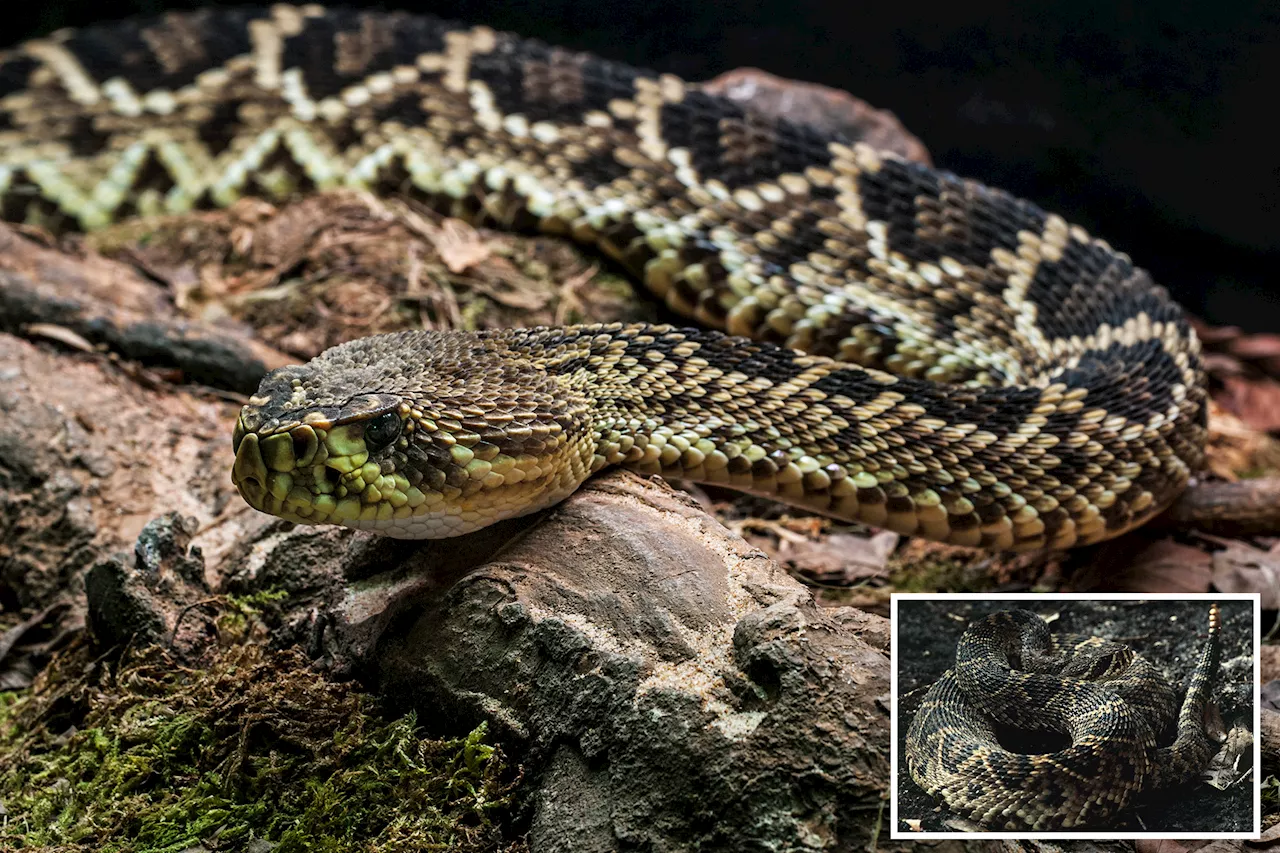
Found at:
[839, 558]
[1158, 845]
[459, 245]
[1240, 567]
[61, 334]
[503, 283]
[1271, 695]
[1256, 346]
[1220, 364]
[282, 239]
[1236, 449]
[1221, 845]
[1254, 401]
[1212, 337]
[1165, 566]
[1261, 352]
[1269, 662]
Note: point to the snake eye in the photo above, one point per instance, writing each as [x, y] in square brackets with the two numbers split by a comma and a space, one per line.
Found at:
[381, 431]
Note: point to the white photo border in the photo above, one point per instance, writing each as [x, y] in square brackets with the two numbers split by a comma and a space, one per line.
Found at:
[897, 834]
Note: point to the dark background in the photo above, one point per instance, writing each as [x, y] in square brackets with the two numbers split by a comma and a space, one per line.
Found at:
[1151, 124]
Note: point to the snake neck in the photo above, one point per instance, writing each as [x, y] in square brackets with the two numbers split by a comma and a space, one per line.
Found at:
[967, 465]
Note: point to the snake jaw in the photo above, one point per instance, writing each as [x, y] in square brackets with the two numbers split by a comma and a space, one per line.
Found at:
[316, 473]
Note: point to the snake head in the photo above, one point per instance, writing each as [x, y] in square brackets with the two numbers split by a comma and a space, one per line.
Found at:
[415, 435]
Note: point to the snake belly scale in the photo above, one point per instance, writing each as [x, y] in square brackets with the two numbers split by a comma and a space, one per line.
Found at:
[974, 369]
[1113, 703]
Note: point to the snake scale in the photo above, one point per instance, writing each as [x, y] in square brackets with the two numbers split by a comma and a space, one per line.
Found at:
[974, 369]
[1113, 703]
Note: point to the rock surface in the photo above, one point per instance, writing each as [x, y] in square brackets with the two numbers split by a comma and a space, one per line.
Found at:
[669, 687]
[830, 109]
[89, 453]
[156, 595]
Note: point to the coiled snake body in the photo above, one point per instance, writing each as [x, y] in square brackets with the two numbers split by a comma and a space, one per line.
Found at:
[1113, 704]
[978, 371]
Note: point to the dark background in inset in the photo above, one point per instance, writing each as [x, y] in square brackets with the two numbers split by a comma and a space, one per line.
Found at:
[1169, 633]
[1148, 123]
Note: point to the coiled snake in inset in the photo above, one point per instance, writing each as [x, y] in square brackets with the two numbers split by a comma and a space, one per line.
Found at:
[1113, 704]
[1022, 385]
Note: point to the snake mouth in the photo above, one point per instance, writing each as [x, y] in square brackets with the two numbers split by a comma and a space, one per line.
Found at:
[317, 474]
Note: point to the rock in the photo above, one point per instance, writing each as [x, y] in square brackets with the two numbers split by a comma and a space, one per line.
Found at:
[89, 454]
[831, 110]
[155, 597]
[46, 525]
[666, 686]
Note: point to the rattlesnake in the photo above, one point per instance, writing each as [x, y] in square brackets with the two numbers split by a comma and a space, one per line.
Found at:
[1113, 703]
[1022, 384]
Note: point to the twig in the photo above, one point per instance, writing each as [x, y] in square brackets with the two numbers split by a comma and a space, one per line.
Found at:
[1245, 508]
[1270, 731]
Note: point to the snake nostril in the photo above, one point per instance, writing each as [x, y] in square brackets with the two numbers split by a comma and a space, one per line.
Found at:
[332, 476]
[305, 444]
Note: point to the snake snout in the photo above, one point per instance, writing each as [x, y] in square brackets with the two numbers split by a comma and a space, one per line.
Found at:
[267, 468]
[249, 473]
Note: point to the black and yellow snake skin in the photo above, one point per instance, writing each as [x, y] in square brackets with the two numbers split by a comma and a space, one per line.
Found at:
[1113, 703]
[979, 371]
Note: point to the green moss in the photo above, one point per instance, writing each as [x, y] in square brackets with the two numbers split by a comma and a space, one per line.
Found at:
[937, 572]
[243, 613]
[147, 755]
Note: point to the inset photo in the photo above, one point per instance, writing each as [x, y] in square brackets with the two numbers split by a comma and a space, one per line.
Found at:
[1075, 716]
